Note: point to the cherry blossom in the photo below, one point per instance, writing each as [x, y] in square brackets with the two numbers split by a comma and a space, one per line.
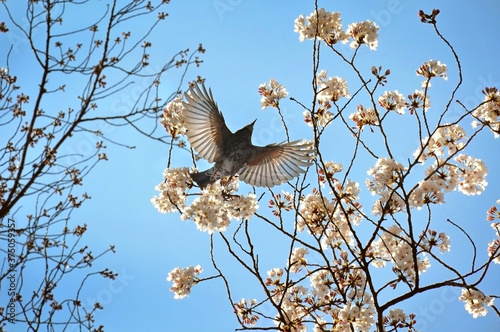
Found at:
[331, 88]
[386, 175]
[432, 239]
[172, 118]
[297, 259]
[472, 174]
[494, 247]
[214, 208]
[450, 136]
[488, 113]
[271, 93]
[322, 25]
[365, 116]
[278, 204]
[292, 314]
[243, 310]
[394, 246]
[183, 280]
[173, 190]
[398, 319]
[274, 277]
[419, 100]
[475, 302]
[393, 101]
[363, 33]
[326, 282]
[330, 169]
[431, 69]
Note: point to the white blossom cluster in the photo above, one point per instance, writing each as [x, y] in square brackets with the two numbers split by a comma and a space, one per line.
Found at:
[322, 25]
[321, 282]
[326, 218]
[328, 172]
[358, 308]
[244, 310]
[431, 239]
[297, 259]
[472, 175]
[365, 32]
[172, 118]
[386, 176]
[419, 100]
[271, 93]
[394, 246]
[327, 26]
[172, 190]
[494, 246]
[183, 280]
[292, 311]
[476, 302]
[215, 207]
[329, 89]
[427, 192]
[447, 136]
[440, 178]
[393, 101]
[397, 318]
[365, 116]
[315, 211]
[212, 210]
[431, 69]
[488, 113]
[322, 116]
[347, 307]
[206, 211]
[463, 173]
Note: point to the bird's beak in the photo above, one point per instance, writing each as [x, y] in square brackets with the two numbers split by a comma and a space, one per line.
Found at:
[253, 122]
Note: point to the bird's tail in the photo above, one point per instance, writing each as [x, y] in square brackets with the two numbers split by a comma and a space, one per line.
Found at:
[204, 178]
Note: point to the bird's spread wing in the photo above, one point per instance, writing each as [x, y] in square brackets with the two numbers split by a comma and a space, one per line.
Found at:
[206, 128]
[276, 163]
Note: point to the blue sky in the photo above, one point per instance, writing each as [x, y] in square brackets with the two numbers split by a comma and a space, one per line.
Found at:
[247, 43]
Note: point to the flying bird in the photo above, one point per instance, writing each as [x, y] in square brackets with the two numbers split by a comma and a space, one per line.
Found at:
[234, 153]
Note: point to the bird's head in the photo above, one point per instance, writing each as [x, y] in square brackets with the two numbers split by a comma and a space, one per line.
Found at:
[249, 127]
[247, 130]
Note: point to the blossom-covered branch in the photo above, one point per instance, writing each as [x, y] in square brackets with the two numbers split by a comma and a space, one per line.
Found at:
[359, 237]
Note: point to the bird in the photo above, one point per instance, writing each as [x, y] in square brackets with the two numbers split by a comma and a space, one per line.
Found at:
[234, 153]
